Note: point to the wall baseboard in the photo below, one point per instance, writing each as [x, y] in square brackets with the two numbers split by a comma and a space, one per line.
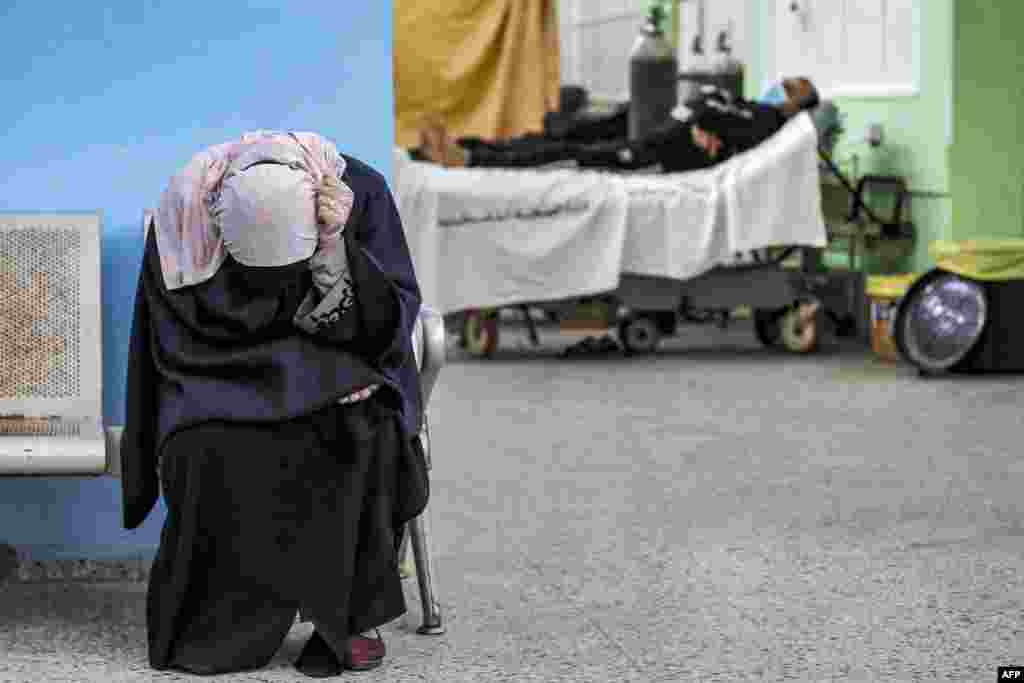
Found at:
[80, 571]
[43, 565]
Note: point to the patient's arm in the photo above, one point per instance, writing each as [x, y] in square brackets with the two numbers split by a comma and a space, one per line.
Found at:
[743, 128]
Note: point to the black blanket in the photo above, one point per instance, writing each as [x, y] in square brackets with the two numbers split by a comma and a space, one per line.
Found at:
[265, 520]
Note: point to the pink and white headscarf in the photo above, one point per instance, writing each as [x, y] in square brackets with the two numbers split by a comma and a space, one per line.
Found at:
[268, 199]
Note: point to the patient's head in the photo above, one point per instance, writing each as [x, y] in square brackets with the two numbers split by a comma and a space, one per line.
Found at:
[792, 95]
[800, 95]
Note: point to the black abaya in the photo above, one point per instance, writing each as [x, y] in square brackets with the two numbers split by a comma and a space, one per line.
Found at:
[315, 526]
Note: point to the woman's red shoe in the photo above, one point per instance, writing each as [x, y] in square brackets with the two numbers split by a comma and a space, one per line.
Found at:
[364, 653]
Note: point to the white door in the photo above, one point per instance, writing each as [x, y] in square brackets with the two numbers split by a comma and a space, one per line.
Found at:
[809, 40]
[849, 47]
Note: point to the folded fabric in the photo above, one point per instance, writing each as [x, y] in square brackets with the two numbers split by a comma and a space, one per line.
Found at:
[772, 193]
[278, 196]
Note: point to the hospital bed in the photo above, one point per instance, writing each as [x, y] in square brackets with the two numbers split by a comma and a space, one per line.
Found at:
[658, 250]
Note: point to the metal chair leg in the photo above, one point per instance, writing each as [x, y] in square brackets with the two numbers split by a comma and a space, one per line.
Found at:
[406, 566]
[419, 536]
[430, 347]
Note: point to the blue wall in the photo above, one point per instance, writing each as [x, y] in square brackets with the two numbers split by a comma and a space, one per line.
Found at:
[103, 102]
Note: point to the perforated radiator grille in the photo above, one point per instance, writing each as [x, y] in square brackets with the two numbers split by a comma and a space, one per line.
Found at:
[39, 313]
[29, 426]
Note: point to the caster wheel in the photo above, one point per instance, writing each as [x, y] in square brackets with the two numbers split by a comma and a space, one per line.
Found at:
[799, 328]
[480, 333]
[640, 335]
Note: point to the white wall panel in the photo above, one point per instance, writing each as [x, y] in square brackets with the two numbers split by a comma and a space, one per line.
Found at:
[850, 47]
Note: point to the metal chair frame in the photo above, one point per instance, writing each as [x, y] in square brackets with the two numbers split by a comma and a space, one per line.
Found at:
[429, 346]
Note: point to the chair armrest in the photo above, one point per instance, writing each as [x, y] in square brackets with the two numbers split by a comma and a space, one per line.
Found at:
[112, 435]
[428, 344]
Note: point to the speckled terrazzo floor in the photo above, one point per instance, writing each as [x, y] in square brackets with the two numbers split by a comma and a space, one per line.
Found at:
[715, 512]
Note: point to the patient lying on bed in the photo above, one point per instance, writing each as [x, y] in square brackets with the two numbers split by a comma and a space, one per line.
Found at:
[707, 130]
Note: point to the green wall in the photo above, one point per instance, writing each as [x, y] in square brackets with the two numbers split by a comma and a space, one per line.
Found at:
[987, 173]
[917, 129]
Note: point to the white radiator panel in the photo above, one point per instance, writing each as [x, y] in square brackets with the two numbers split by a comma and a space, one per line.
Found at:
[51, 363]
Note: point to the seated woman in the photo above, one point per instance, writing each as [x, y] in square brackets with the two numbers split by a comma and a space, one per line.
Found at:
[272, 397]
[709, 129]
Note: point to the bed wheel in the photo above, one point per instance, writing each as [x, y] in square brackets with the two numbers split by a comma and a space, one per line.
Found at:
[641, 334]
[767, 326]
[480, 333]
[799, 327]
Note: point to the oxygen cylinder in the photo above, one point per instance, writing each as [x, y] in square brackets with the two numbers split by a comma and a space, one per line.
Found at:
[653, 78]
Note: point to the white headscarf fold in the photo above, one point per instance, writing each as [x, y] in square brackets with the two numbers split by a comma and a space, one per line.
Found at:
[268, 199]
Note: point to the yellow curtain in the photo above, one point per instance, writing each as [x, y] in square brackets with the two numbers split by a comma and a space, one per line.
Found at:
[488, 68]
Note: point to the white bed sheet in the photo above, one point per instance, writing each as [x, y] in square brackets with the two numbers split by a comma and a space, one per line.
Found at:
[483, 238]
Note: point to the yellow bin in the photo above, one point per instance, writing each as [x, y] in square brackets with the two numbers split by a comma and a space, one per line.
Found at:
[885, 292]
